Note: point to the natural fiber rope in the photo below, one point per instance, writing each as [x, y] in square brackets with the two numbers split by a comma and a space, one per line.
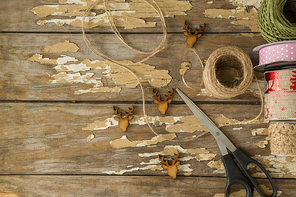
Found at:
[273, 24]
[212, 84]
[221, 56]
[150, 54]
[95, 51]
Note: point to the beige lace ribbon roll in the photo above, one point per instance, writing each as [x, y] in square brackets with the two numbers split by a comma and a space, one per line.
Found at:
[282, 138]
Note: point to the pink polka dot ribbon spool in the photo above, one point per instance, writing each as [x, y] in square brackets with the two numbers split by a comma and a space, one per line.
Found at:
[276, 52]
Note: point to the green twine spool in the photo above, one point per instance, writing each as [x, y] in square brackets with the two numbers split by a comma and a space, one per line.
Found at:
[273, 24]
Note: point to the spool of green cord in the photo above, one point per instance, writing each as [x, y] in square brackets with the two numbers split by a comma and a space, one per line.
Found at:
[273, 25]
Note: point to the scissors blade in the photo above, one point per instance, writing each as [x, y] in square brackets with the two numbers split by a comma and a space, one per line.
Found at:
[222, 148]
[208, 123]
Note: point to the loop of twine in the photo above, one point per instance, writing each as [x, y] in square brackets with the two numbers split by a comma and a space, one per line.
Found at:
[149, 54]
[227, 55]
[272, 22]
[230, 54]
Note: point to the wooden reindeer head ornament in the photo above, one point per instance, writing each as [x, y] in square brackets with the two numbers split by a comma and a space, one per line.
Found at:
[171, 168]
[123, 122]
[191, 38]
[162, 106]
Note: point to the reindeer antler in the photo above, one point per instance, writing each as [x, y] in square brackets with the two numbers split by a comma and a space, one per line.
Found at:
[176, 157]
[166, 162]
[130, 111]
[170, 95]
[186, 27]
[116, 112]
[155, 95]
[162, 106]
[200, 30]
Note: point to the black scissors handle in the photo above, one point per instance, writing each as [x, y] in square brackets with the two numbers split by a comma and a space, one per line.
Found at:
[235, 175]
[243, 161]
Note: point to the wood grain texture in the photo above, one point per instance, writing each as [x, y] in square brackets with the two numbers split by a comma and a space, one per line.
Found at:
[22, 79]
[23, 20]
[121, 186]
[47, 118]
[51, 138]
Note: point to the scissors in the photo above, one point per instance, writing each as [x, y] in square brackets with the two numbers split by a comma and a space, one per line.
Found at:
[234, 174]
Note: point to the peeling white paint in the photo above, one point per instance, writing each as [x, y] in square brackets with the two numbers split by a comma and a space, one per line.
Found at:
[69, 72]
[96, 89]
[173, 124]
[72, 67]
[90, 137]
[218, 165]
[74, 2]
[261, 144]
[186, 155]
[123, 142]
[184, 67]
[64, 59]
[260, 131]
[129, 15]
[240, 13]
[63, 77]
[121, 172]
[62, 47]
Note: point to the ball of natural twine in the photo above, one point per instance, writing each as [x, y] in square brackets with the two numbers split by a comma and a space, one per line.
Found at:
[219, 58]
[272, 23]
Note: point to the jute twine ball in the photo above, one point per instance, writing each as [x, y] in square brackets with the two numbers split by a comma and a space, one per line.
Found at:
[230, 57]
[273, 25]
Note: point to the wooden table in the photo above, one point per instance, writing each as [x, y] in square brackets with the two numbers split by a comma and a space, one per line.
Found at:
[56, 94]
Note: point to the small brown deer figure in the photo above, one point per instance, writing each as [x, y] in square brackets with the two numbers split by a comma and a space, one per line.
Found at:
[171, 168]
[162, 106]
[191, 38]
[123, 122]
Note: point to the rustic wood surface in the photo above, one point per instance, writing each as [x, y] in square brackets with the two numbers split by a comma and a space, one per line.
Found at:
[25, 80]
[58, 134]
[26, 20]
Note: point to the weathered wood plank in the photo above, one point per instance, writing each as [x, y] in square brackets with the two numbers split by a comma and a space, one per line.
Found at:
[35, 185]
[52, 139]
[30, 73]
[219, 15]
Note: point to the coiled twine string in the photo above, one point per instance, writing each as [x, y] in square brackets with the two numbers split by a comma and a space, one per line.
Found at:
[221, 57]
[272, 23]
[229, 57]
[150, 54]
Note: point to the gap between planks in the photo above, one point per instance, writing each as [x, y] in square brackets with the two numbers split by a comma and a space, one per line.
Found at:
[123, 33]
[125, 102]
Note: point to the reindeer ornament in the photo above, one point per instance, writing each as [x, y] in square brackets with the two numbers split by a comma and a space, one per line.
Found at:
[191, 38]
[123, 122]
[162, 106]
[171, 168]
